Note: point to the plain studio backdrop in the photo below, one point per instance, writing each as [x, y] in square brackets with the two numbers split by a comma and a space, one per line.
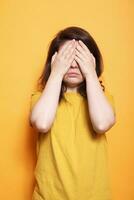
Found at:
[27, 27]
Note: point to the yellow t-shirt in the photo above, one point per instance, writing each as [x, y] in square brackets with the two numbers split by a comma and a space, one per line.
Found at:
[72, 158]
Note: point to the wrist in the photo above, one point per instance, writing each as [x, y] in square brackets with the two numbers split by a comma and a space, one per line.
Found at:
[56, 76]
[90, 75]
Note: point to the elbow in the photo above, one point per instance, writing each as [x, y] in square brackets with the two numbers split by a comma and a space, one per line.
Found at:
[39, 125]
[42, 127]
[102, 128]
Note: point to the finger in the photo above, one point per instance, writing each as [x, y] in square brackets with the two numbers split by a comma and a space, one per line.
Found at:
[53, 57]
[71, 58]
[84, 46]
[86, 54]
[80, 55]
[94, 60]
[82, 51]
[69, 49]
[78, 60]
[86, 49]
[64, 47]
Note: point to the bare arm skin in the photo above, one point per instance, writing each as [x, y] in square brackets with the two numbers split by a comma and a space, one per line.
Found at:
[101, 113]
[43, 113]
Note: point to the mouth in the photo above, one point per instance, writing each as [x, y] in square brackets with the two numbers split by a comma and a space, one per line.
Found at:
[73, 74]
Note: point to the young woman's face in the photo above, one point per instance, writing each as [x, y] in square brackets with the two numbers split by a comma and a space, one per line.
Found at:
[70, 79]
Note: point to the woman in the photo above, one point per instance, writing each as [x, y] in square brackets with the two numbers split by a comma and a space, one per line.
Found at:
[72, 112]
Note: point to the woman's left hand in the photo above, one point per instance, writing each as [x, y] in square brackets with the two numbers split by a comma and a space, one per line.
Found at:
[85, 59]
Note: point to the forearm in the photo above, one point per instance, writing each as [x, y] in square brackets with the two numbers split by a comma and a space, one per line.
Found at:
[100, 110]
[44, 111]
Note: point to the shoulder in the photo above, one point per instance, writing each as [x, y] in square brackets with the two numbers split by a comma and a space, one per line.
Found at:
[36, 93]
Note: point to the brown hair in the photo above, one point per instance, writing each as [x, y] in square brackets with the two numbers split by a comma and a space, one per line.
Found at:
[70, 33]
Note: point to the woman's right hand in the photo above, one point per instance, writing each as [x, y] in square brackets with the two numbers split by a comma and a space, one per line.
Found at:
[61, 61]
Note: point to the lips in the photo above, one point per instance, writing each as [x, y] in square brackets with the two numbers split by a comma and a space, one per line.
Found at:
[73, 73]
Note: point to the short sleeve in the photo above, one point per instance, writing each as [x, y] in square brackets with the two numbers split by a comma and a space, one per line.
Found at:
[34, 98]
[111, 99]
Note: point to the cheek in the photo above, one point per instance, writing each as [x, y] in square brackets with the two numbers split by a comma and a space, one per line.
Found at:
[82, 78]
[81, 75]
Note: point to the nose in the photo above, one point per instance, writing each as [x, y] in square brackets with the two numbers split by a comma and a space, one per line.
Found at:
[74, 64]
